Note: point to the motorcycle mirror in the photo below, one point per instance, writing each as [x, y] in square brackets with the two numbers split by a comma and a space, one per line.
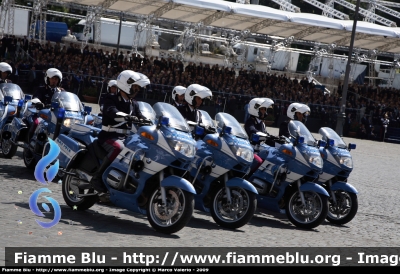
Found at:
[20, 103]
[54, 105]
[352, 146]
[321, 143]
[227, 130]
[255, 138]
[61, 113]
[27, 97]
[87, 109]
[7, 99]
[199, 131]
[163, 121]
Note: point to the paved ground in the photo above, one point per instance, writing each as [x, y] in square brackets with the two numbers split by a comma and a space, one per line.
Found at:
[376, 177]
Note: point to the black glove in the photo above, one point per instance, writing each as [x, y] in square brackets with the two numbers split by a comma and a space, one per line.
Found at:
[131, 118]
[39, 106]
[47, 106]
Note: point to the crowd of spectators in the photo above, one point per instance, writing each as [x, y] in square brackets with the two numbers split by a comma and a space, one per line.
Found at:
[92, 68]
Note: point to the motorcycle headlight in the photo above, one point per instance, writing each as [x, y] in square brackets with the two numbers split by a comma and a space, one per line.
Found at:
[315, 159]
[245, 153]
[68, 122]
[346, 161]
[186, 149]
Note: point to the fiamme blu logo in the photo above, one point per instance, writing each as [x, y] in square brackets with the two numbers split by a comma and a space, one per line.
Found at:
[45, 167]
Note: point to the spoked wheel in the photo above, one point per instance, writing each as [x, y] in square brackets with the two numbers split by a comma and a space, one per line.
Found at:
[238, 212]
[175, 214]
[8, 148]
[71, 192]
[29, 158]
[308, 215]
[345, 208]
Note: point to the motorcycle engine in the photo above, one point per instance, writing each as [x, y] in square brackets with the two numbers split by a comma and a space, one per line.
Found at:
[115, 179]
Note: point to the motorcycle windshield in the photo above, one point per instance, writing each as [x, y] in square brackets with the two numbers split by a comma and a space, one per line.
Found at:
[228, 120]
[206, 119]
[147, 110]
[67, 100]
[176, 119]
[298, 129]
[13, 90]
[328, 133]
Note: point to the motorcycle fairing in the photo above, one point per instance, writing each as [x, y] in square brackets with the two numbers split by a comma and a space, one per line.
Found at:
[69, 148]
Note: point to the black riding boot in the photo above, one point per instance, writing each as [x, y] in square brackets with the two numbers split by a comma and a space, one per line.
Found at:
[96, 181]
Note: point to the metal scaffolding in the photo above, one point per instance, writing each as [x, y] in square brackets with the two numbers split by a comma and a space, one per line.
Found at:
[38, 18]
[7, 8]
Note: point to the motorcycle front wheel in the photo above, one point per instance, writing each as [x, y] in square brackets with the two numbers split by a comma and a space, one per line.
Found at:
[238, 212]
[310, 214]
[345, 208]
[8, 149]
[175, 214]
[71, 193]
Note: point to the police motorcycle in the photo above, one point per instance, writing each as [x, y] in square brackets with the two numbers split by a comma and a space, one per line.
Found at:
[12, 100]
[338, 164]
[287, 179]
[65, 110]
[223, 158]
[146, 176]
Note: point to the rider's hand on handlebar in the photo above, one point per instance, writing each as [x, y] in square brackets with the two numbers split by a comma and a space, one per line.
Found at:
[131, 118]
[39, 106]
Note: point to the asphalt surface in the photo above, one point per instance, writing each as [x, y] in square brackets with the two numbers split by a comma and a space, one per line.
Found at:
[375, 175]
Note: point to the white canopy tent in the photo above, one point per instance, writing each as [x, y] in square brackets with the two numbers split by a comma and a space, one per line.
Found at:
[261, 20]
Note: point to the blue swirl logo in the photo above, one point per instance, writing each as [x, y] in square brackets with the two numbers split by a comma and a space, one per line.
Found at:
[41, 166]
[45, 167]
[35, 209]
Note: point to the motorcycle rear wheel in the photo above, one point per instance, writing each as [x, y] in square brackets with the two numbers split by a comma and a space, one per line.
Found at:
[312, 214]
[29, 159]
[175, 215]
[346, 208]
[8, 149]
[237, 213]
[70, 193]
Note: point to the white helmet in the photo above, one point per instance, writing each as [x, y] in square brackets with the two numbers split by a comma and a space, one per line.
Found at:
[126, 79]
[297, 107]
[111, 83]
[178, 90]
[257, 103]
[52, 72]
[144, 80]
[4, 67]
[196, 90]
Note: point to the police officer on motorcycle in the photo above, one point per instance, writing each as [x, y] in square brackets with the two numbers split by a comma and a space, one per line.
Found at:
[119, 111]
[194, 96]
[295, 111]
[178, 96]
[52, 79]
[257, 110]
[112, 88]
[5, 71]
[42, 96]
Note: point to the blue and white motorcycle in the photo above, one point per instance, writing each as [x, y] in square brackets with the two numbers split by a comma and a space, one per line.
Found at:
[12, 101]
[66, 110]
[223, 158]
[338, 164]
[146, 176]
[287, 179]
